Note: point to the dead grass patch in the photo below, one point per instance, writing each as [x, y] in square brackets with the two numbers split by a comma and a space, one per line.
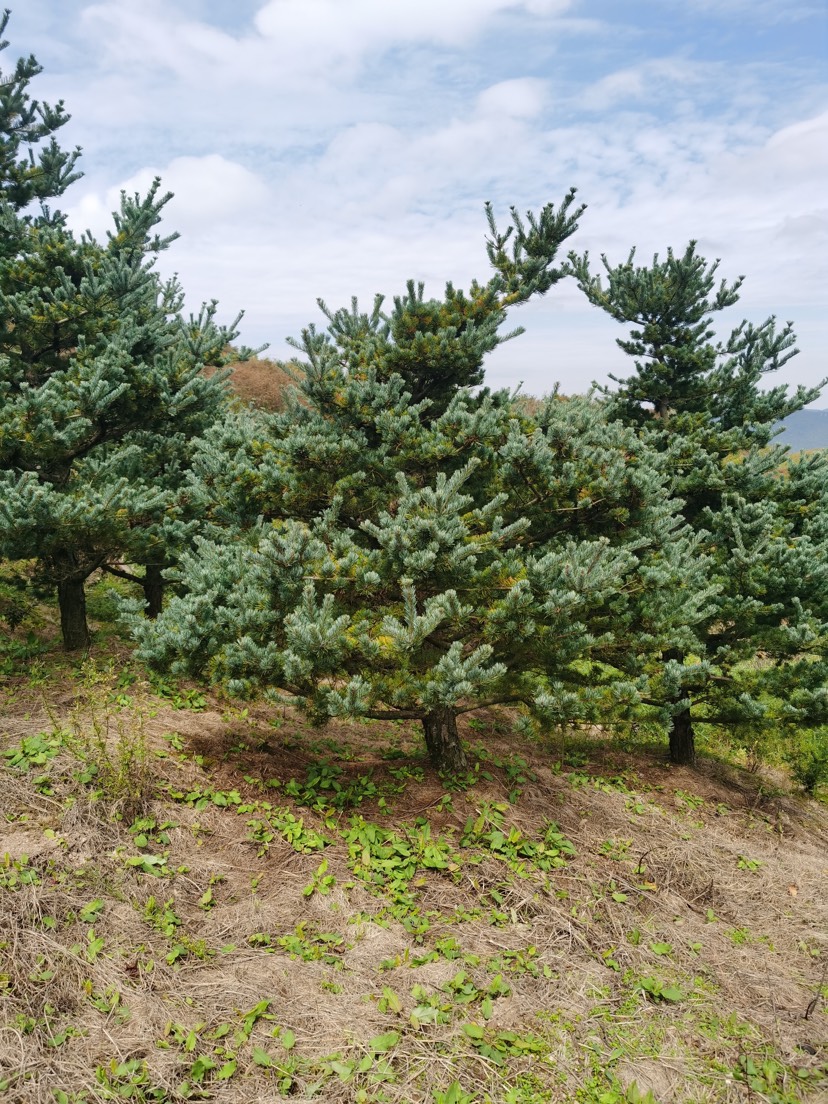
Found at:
[263, 382]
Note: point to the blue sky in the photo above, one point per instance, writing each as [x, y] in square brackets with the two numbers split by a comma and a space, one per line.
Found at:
[340, 147]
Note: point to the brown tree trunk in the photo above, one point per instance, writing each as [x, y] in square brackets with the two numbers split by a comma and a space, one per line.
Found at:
[153, 585]
[443, 741]
[682, 739]
[72, 602]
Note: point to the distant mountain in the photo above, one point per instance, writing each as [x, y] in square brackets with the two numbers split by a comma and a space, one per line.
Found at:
[807, 429]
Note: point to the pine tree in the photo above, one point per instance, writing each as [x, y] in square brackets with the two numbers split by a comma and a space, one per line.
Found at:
[417, 563]
[700, 401]
[93, 354]
[440, 601]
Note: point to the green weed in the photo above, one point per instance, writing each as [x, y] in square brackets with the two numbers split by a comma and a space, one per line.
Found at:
[489, 830]
[16, 873]
[454, 1094]
[179, 697]
[500, 1045]
[324, 788]
[657, 990]
[112, 750]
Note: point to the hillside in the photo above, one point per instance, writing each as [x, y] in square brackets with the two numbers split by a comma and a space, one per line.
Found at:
[208, 902]
[263, 383]
[807, 429]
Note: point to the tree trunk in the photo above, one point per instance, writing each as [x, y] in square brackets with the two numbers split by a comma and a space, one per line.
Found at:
[153, 585]
[442, 740]
[682, 740]
[72, 602]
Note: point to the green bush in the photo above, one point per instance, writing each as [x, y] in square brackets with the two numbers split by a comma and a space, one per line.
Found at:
[807, 758]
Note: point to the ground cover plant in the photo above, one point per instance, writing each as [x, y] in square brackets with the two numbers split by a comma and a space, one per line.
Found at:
[203, 902]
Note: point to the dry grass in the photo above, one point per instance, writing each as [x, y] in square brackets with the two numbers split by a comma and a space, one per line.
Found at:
[262, 382]
[699, 880]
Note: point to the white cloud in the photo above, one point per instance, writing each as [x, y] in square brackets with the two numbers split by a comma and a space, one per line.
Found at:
[152, 34]
[295, 42]
[335, 29]
[664, 85]
[793, 154]
[380, 205]
[208, 192]
[520, 98]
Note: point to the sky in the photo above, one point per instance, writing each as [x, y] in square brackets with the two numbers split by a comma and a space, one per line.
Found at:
[332, 148]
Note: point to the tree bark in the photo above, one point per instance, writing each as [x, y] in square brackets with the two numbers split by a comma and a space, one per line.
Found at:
[72, 602]
[443, 741]
[153, 585]
[682, 739]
